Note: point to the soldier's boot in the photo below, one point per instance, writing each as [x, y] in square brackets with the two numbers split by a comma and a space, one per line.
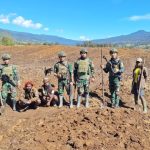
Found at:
[78, 101]
[117, 101]
[2, 108]
[113, 97]
[145, 110]
[60, 101]
[144, 105]
[71, 101]
[112, 103]
[14, 104]
[87, 100]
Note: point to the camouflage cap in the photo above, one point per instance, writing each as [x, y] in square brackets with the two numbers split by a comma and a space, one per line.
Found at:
[83, 50]
[62, 54]
[6, 56]
[113, 50]
[139, 60]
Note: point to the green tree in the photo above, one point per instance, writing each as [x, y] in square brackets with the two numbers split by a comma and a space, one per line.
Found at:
[8, 41]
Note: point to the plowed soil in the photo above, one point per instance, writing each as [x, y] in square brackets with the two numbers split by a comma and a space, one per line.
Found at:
[95, 128]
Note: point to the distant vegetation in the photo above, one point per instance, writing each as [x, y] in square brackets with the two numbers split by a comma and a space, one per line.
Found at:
[7, 41]
[127, 45]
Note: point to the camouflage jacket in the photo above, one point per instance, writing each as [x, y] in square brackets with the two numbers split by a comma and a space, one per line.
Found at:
[64, 69]
[83, 69]
[10, 72]
[114, 67]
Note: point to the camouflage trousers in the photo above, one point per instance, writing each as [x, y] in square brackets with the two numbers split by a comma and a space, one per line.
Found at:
[63, 84]
[83, 87]
[114, 87]
[8, 92]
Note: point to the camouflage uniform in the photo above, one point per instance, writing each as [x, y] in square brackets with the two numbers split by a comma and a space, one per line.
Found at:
[64, 71]
[138, 84]
[10, 79]
[83, 71]
[29, 99]
[115, 68]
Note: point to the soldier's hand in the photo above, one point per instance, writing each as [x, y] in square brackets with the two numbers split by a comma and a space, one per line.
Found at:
[28, 102]
[92, 79]
[102, 66]
[71, 83]
[58, 75]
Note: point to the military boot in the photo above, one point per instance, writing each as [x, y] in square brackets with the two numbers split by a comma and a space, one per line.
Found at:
[2, 108]
[14, 104]
[87, 100]
[117, 101]
[78, 101]
[71, 101]
[60, 101]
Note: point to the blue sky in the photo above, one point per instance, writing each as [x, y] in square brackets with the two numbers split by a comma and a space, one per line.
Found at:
[76, 19]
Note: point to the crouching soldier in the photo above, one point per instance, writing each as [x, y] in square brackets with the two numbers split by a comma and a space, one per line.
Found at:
[29, 98]
[64, 72]
[115, 68]
[83, 74]
[140, 75]
[10, 80]
[47, 93]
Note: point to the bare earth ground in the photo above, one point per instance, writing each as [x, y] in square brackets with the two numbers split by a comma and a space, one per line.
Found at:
[66, 129]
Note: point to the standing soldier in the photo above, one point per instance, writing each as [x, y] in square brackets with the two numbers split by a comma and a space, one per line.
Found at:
[83, 73]
[64, 72]
[115, 68]
[48, 93]
[10, 80]
[140, 75]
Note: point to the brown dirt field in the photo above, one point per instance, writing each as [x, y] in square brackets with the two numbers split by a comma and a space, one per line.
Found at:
[81, 129]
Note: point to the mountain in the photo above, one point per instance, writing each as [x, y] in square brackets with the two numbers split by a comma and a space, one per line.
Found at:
[139, 37]
[37, 38]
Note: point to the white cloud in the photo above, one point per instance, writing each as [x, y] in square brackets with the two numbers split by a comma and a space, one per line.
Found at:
[12, 18]
[84, 38]
[4, 19]
[139, 17]
[21, 21]
[46, 29]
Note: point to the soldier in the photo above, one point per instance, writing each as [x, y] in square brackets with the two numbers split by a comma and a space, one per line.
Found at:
[115, 68]
[83, 74]
[10, 80]
[140, 75]
[29, 97]
[47, 93]
[64, 72]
